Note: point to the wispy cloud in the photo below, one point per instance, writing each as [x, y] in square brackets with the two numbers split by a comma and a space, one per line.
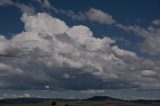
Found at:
[30, 9]
[151, 38]
[92, 15]
[25, 8]
[6, 2]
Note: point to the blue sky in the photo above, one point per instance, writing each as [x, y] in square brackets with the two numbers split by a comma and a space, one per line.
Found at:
[81, 47]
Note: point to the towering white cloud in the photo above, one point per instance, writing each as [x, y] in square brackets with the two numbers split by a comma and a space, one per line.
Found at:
[150, 35]
[48, 50]
[43, 23]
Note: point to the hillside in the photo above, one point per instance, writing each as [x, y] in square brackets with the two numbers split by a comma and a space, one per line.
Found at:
[93, 101]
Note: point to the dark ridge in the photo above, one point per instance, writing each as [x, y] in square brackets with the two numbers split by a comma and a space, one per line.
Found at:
[33, 100]
[23, 100]
[94, 98]
[142, 101]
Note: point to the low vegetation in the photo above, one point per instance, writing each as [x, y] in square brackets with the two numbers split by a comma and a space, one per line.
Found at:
[94, 101]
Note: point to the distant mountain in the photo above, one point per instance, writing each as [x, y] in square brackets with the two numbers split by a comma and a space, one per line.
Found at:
[100, 98]
[23, 100]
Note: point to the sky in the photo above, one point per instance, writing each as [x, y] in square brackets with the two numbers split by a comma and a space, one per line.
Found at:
[80, 48]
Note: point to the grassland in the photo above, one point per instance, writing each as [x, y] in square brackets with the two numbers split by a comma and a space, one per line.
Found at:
[95, 101]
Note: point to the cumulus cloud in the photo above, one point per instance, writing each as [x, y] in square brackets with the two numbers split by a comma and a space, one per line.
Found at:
[120, 52]
[2, 37]
[100, 16]
[46, 87]
[149, 73]
[150, 35]
[156, 22]
[50, 54]
[44, 23]
[150, 45]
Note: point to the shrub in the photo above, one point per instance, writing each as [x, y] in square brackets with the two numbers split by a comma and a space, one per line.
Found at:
[53, 103]
[66, 105]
